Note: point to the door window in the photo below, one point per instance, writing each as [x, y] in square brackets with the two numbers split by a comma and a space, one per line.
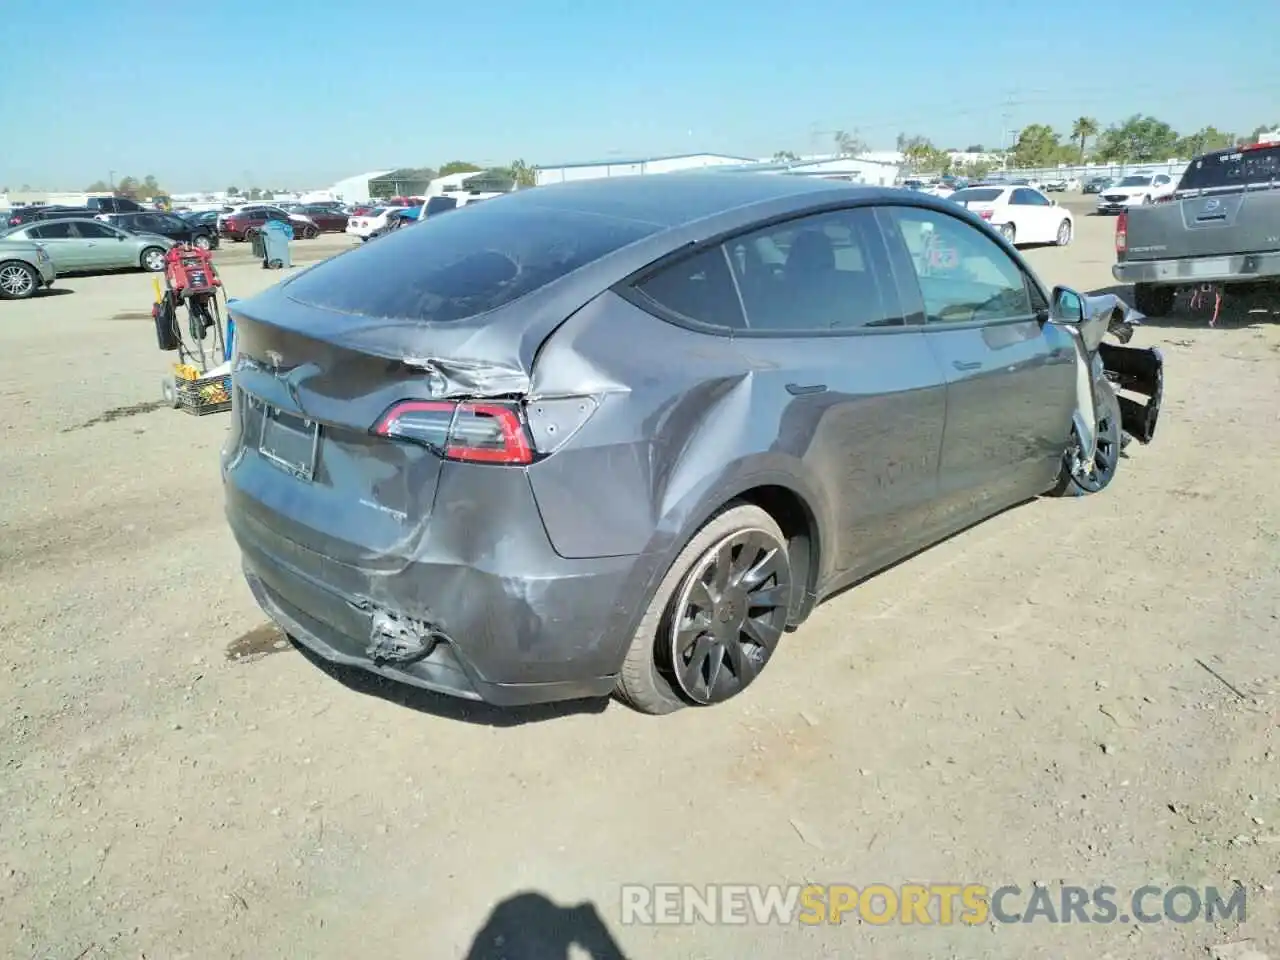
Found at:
[817, 274]
[698, 288]
[964, 275]
[95, 231]
[1030, 198]
[53, 230]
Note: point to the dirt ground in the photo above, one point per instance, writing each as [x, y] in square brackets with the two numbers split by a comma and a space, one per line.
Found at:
[1080, 692]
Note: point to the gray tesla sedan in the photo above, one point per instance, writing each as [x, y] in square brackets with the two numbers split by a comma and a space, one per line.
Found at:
[620, 435]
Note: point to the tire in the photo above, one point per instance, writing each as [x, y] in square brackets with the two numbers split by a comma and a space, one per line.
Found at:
[152, 260]
[1146, 199]
[18, 280]
[1072, 480]
[310, 233]
[169, 393]
[202, 243]
[1009, 232]
[655, 677]
[1063, 236]
[1154, 301]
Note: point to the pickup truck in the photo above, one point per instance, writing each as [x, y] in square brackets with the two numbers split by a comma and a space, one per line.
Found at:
[1220, 228]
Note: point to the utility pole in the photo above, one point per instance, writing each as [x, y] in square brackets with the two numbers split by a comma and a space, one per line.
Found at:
[111, 181]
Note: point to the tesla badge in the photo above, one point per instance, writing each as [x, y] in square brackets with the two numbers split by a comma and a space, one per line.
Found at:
[1211, 205]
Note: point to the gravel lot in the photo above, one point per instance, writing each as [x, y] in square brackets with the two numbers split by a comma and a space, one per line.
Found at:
[1029, 702]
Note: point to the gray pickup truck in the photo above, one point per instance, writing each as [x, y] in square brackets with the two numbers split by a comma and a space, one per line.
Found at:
[1220, 229]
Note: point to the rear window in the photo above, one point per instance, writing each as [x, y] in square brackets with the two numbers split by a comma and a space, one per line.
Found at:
[977, 195]
[1135, 181]
[451, 268]
[440, 205]
[1239, 168]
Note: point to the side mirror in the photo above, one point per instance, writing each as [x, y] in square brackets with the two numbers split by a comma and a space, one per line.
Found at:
[1068, 306]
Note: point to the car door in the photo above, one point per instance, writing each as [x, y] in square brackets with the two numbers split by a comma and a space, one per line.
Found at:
[63, 245]
[105, 248]
[845, 384]
[1031, 212]
[1010, 374]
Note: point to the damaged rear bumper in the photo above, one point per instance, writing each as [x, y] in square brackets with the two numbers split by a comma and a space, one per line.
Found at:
[1140, 371]
[523, 626]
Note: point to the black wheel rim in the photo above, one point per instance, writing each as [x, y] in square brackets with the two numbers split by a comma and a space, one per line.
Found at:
[1106, 457]
[729, 616]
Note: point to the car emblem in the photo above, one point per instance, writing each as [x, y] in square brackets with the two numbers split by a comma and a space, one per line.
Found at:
[1211, 205]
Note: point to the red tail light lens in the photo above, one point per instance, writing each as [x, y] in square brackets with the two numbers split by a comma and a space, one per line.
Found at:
[985, 214]
[1122, 232]
[473, 432]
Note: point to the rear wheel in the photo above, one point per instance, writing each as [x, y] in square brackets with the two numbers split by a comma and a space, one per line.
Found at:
[1153, 301]
[18, 281]
[310, 233]
[1009, 231]
[716, 618]
[1080, 477]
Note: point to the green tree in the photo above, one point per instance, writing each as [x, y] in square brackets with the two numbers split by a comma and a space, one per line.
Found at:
[127, 187]
[1140, 139]
[233, 191]
[1037, 146]
[26, 188]
[785, 156]
[523, 174]
[1202, 141]
[457, 166]
[975, 148]
[98, 186]
[922, 156]
[150, 186]
[1257, 132]
[849, 144]
[1082, 130]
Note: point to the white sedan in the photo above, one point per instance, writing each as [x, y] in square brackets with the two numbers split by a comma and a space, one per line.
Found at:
[365, 226]
[1021, 214]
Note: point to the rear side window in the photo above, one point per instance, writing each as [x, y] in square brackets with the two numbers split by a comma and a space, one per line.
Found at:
[452, 268]
[698, 288]
[1236, 169]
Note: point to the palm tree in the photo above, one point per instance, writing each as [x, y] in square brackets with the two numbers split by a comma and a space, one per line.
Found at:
[1082, 130]
[848, 144]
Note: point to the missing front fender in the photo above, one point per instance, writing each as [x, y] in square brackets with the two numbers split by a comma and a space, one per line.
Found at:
[1139, 371]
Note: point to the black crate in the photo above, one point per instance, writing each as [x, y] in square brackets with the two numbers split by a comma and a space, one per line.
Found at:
[204, 395]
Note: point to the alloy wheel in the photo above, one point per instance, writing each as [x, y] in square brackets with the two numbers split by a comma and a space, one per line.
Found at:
[153, 260]
[16, 281]
[1064, 233]
[1093, 476]
[202, 243]
[729, 615]
[1007, 231]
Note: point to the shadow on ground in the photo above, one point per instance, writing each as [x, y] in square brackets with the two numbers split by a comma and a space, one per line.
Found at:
[446, 707]
[1242, 310]
[528, 926]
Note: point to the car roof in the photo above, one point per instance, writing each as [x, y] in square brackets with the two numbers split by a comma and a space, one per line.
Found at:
[676, 199]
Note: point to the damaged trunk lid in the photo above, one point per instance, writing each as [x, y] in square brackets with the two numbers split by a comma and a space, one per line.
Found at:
[1226, 203]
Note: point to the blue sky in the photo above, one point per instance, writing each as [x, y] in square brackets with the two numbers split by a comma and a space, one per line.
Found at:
[297, 94]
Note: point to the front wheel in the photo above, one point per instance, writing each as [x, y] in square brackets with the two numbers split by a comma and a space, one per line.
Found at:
[1080, 477]
[152, 259]
[201, 242]
[1064, 233]
[1154, 301]
[716, 618]
[310, 233]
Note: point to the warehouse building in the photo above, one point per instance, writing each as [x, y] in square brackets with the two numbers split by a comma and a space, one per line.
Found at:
[596, 169]
[356, 189]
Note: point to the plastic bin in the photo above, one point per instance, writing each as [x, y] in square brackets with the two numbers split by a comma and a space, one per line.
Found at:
[276, 235]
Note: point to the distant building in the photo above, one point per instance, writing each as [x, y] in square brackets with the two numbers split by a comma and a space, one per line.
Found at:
[860, 169]
[597, 169]
[472, 181]
[357, 189]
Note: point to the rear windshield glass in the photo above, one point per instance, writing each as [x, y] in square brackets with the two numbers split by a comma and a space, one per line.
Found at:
[977, 195]
[483, 257]
[1239, 168]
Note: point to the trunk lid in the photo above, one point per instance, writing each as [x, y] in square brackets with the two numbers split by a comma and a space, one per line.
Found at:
[1226, 203]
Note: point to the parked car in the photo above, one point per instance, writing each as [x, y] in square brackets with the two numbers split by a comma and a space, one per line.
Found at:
[621, 434]
[202, 218]
[451, 201]
[51, 212]
[176, 228]
[250, 217]
[248, 221]
[1220, 228]
[91, 245]
[1062, 185]
[370, 223]
[328, 218]
[1020, 214]
[1135, 190]
[115, 205]
[25, 267]
[1097, 184]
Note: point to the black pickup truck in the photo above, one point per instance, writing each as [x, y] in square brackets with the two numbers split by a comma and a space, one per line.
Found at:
[1220, 228]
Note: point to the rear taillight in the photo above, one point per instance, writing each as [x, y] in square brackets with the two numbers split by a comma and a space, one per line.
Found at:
[471, 431]
[1122, 232]
[985, 214]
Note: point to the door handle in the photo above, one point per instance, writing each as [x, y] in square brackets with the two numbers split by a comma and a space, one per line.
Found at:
[801, 389]
[962, 365]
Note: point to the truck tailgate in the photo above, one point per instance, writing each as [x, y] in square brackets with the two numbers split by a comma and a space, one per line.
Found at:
[1206, 224]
